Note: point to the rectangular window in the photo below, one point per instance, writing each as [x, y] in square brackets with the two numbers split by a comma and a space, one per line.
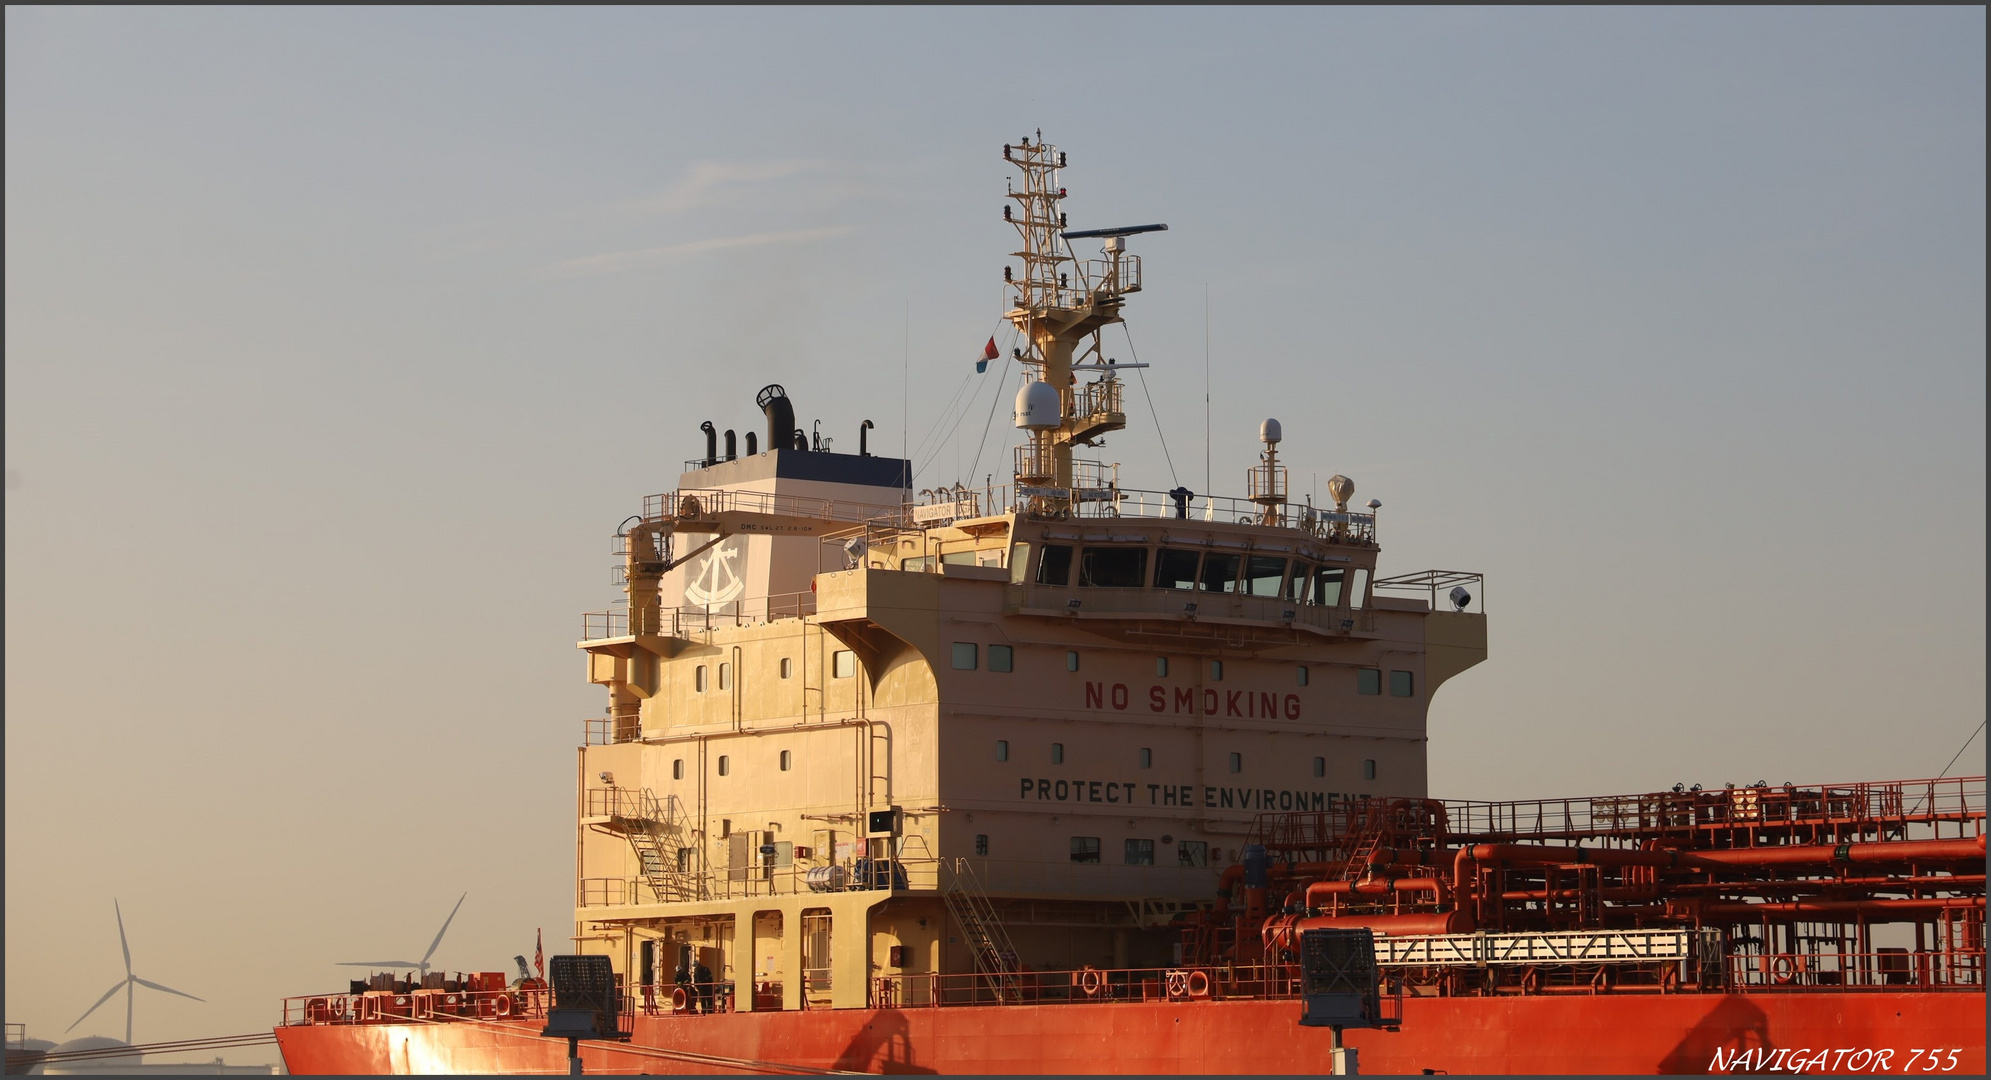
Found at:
[1219, 572]
[1358, 590]
[1161, 667]
[1192, 853]
[698, 679]
[916, 564]
[1002, 749]
[1002, 658]
[1320, 766]
[1176, 568]
[1054, 567]
[725, 765]
[1301, 674]
[1071, 661]
[1217, 671]
[964, 656]
[725, 676]
[1263, 574]
[1019, 561]
[1057, 753]
[1368, 681]
[843, 664]
[981, 843]
[1327, 586]
[1140, 853]
[1113, 568]
[1400, 684]
[1369, 769]
[1147, 758]
[677, 768]
[787, 667]
[684, 860]
[787, 759]
[1237, 762]
[1299, 582]
[958, 558]
[1085, 849]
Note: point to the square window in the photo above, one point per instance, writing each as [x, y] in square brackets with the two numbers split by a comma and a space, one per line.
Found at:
[677, 768]
[725, 765]
[1054, 567]
[981, 843]
[965, 656]
[1002, 658]
[1057, 753]
[1002, 749]
[698, 679]
[843, 664]
[1368, 680]
[1400, 684]
[1320, 766]
[1192, 853]
[1147, 758]
[1140, 853]
[1237, 762]
[1161, 667]
[1216, 671]
[1301, 674]
[787, 759]
[787, 667]
[1369, 769]
[1085, 849]
[1071, 660]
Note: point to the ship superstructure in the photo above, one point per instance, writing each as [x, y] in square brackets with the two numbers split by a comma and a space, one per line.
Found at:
[1056, 775]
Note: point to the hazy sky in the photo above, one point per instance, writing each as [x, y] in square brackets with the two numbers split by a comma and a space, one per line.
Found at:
[338, 342]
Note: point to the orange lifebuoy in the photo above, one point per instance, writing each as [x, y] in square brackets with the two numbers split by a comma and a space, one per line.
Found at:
[503, 1005]
[1199, 984]
[1090, 981]
[336, 1008]
[680, 1000]
[1785, 968]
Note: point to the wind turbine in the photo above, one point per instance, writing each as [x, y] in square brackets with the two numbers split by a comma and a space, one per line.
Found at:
[421, 965]
[127, 984]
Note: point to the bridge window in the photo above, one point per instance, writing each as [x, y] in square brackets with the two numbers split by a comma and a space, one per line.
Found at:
[1369, 768]
[1400, 684]
[1085, 849]
[1192, 853]
[1147, 758]
[1320, 766]
[1298, 584]
[964, 656]
[1263, 574]
[1055, 566]
[1219, 572]
[1358, 589]
[1002, 658]
[1368, 681]
[1237, 762]
[1176, 568]
[1140, 852]
[1113, 568]
[1057, 753]
[1327, 586]
[1019, 561]
[843, 664]
[1002, 749]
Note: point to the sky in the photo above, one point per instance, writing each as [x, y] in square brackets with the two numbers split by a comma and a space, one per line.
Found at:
[339, 341]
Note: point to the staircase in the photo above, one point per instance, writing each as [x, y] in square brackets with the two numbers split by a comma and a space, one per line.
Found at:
[655, 829]
[995, 955]
[1358, 859]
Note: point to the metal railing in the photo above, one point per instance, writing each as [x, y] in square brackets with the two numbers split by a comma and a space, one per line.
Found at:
[1193, 604]
[1086, 986]
[729, 883]
[413, 1006]
[1928, 969]
[1102, 397]
[609, 730]
[698, 504]
[686, 620]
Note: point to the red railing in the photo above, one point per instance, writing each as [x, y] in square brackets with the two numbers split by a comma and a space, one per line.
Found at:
[1086, 986]
[414, 1006]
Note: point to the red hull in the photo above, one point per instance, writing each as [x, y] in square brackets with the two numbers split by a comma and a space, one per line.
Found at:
[1622, 1034]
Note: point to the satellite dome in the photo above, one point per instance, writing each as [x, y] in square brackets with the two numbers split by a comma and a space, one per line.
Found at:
[1038, 406]
[1269, 433]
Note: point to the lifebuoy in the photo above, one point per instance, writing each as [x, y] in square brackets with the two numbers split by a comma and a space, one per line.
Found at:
[1199, 984]
[503, 1005]
[1784, 968]
[1090, 981]
[336, 1008]
[680, 1000]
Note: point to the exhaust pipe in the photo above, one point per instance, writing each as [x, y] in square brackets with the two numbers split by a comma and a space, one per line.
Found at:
[751, 448]
[780, 413]
[864, 439]
[732, 446]
[711, 443]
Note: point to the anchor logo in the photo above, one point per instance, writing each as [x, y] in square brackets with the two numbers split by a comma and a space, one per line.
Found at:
[718, 576]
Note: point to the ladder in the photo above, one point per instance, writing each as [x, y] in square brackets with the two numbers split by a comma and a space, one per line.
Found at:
[1365, 846]
[653, 828]
[995, 955]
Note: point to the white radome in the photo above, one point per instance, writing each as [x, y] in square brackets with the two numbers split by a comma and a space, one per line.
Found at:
[1038, 406]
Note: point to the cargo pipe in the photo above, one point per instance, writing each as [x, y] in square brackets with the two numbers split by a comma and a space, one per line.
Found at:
[711, 443]
[1887, 851]
[1320, 891]
[1869, 910]
[1563, 856]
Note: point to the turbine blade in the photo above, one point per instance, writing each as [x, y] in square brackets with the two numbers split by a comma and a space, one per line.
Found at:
[444, 930]
[122, 943]
[379, 963]
[100, 1001]
[168, 989]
